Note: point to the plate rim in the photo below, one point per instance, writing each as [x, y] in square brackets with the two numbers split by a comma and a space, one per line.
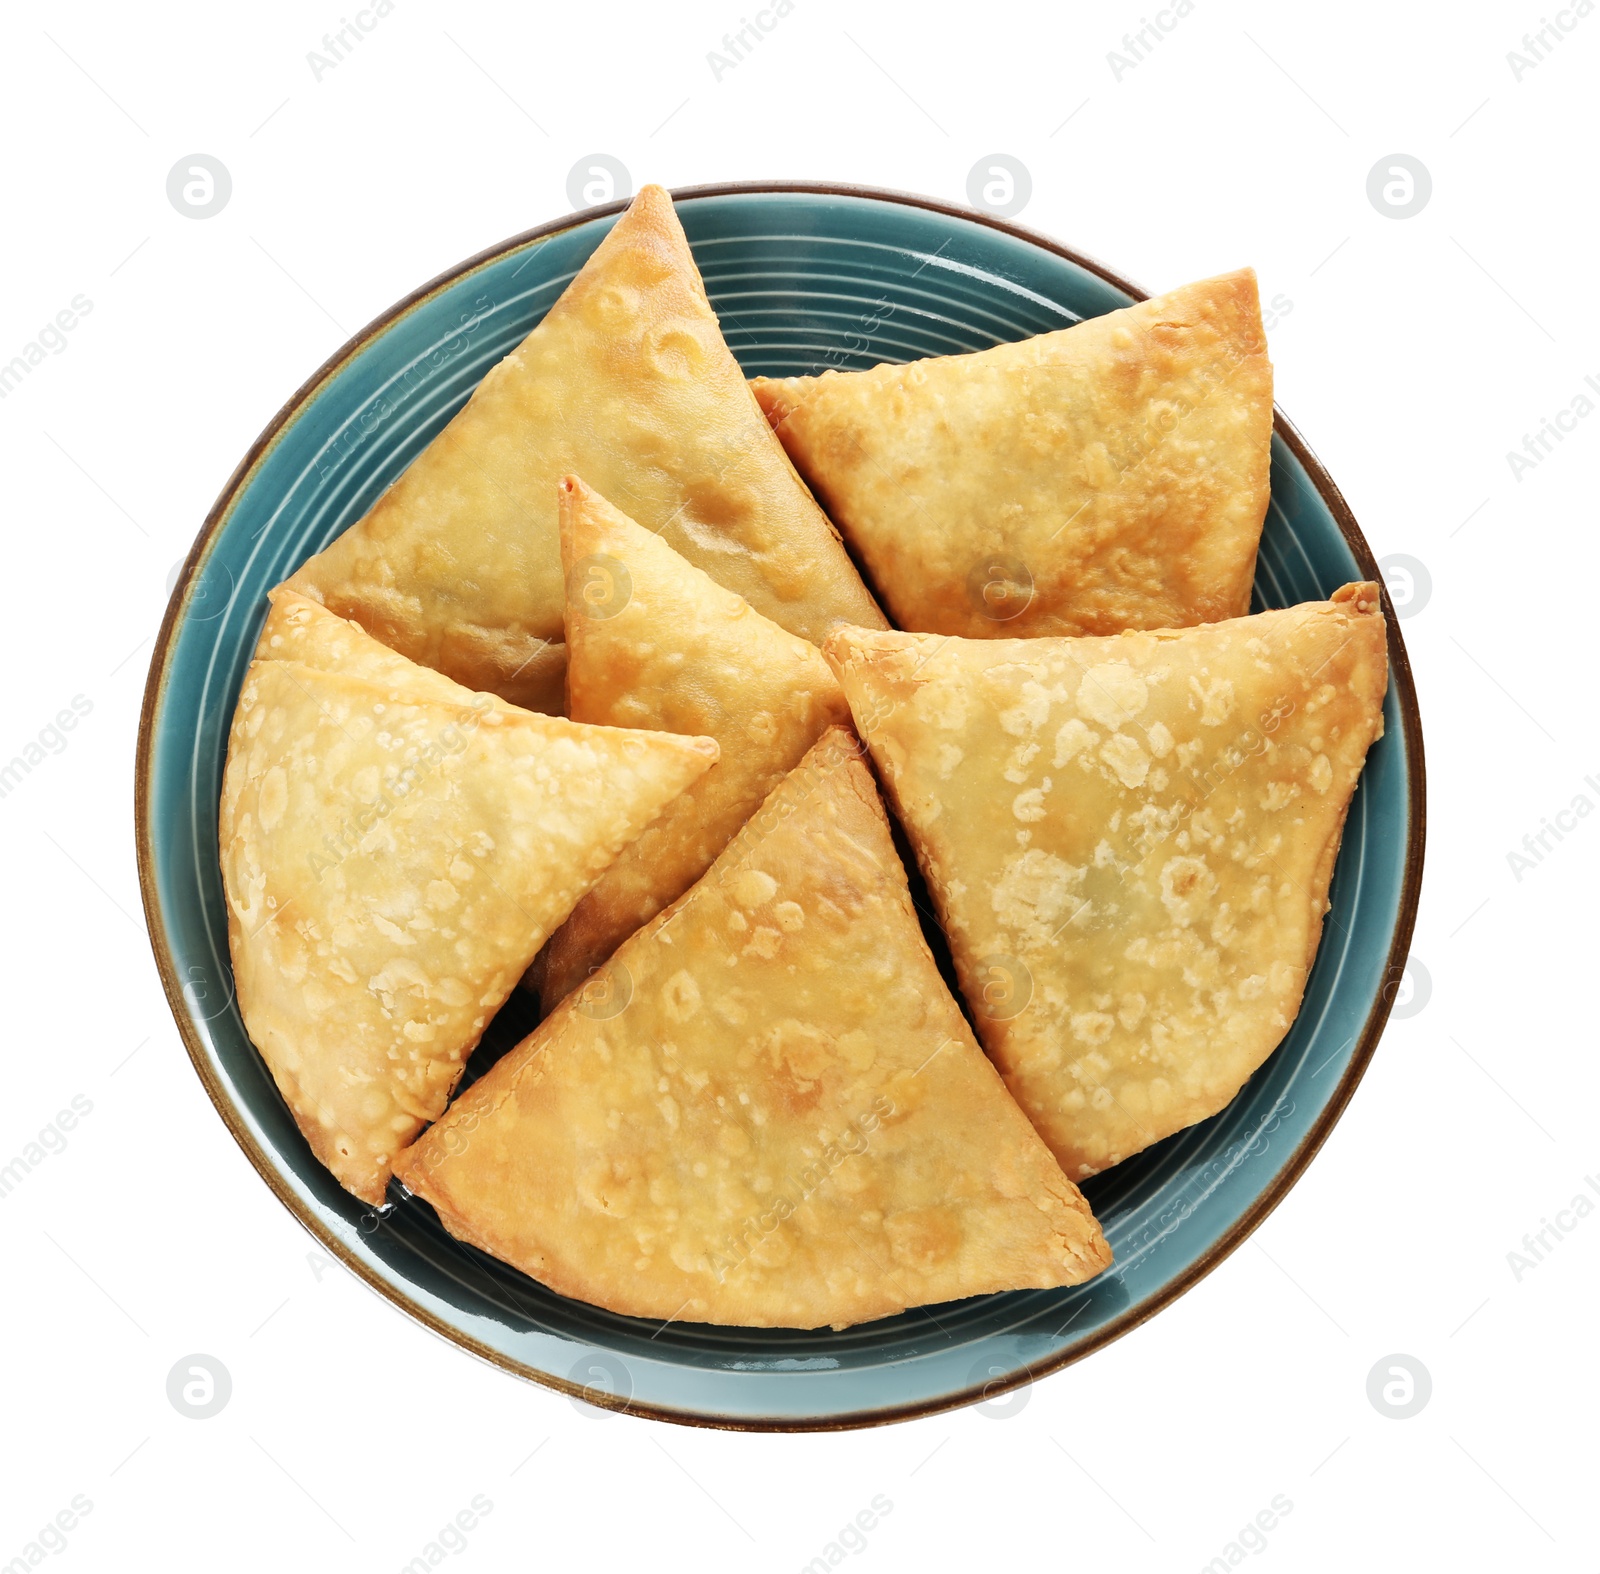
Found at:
[1220, 1249]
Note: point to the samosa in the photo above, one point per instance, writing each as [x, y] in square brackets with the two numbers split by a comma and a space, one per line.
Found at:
[627, 381]
[1129, 841]
[394, 850]
[1108, 476]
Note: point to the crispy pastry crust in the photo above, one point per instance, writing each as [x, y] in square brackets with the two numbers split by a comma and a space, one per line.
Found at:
[1130, 842]
[661, 645]
[1109, 476]
[394, 849]
[302, 630]
[787, 1123]
[627, 382]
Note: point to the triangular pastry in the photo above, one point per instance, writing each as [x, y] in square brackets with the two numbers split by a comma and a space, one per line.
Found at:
[1129, 841]
[627, 382]
[1108, 476]
[777, 1117]
[392, 859]
[654, 642]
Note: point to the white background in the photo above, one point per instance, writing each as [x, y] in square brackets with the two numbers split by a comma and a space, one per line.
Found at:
[1416, 354]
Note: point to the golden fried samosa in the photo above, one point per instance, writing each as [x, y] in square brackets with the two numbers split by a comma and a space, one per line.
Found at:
[1109, 476]
[627, 382]
[653, 642]
[1129, 841]
[392, 858]
[777, 1117]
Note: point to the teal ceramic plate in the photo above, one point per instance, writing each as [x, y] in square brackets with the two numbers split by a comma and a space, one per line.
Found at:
[803, 277]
